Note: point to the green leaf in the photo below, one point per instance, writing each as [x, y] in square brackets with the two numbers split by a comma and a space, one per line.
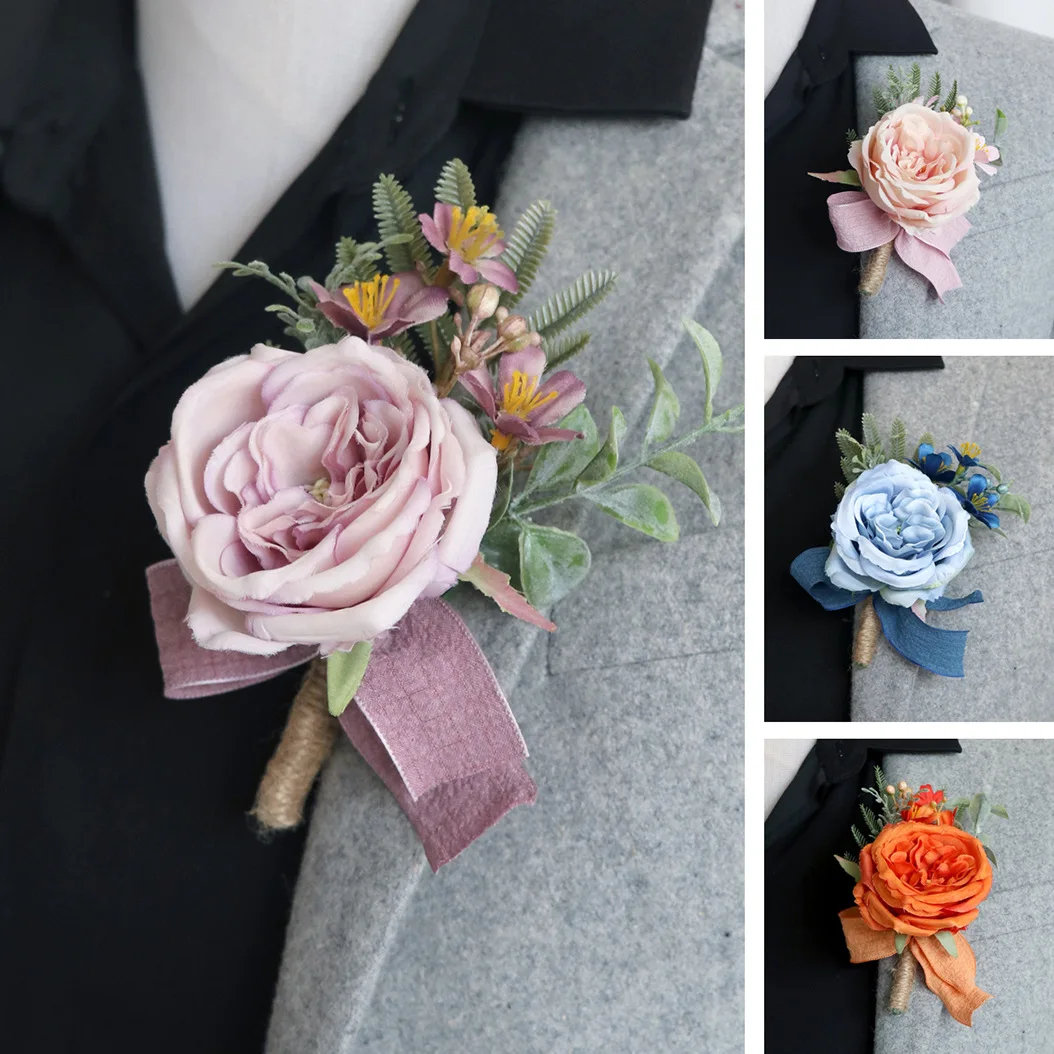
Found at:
[640, 506]
[713, 364]
[849, 867]
[557, 463]
[858, 837]
[602, 466]
[990, 853]
[1000, 125]
[395, 214]
[1016, 504]
[526, 247]
[949, 103]
[839, 491]
[898, 440]
[869, 426]
[455, 186]
[936, 88]
[980, 809]
[559, 351]
[848, 471]
[915, 83]
[500, 548]
[665, 410]
[502, 496]
[562, 310]
[496, 584]
[926, 437]
[948, 943]
[685, 470]
[847, 177]
[344, 673]
[848, 446]
[552, 563]
[1000, 810]
[900, 941]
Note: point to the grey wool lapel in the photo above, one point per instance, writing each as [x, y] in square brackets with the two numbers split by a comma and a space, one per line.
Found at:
[601, 918]
[1015, 958]
[1003, 404]
[1006, 262]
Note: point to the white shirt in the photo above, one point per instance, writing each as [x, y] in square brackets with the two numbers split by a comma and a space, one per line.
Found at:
[241, 96]
[785, 22]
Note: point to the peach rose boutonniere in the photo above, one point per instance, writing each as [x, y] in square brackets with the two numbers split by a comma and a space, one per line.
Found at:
[916, 170]
[920, 881]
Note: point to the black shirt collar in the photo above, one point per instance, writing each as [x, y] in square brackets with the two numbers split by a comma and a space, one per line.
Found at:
[837, 30]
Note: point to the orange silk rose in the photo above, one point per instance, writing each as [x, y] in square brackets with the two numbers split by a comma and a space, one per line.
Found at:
[919, 878]
[928, 813]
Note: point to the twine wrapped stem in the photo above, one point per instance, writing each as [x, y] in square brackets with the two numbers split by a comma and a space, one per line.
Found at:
[868, 630]
[306, 742]
[903, 981]
[874, 273]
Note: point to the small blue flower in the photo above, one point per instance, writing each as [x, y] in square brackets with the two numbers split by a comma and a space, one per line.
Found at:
[980, 498]
[969, 455]
[937, 466]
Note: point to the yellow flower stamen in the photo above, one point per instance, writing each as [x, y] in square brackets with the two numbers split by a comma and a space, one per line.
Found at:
[970, 450]
[371, 299]
[520, 396]
[472, 232]
[319, 489]
[499, 440]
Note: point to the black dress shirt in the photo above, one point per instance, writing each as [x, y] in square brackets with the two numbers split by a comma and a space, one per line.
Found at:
[138, 908]
[807, 649]
[810, 284]
[816, 1001]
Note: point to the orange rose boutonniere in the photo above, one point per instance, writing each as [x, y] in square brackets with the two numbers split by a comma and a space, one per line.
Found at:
[919, 883]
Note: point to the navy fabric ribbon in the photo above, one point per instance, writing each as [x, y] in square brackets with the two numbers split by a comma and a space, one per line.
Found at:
[938, 650]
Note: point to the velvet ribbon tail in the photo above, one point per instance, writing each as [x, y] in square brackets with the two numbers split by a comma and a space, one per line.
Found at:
[429, 717]
[940, 651]
[951, 978]
[859, 225]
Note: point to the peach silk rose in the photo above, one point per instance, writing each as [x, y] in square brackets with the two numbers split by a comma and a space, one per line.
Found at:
[312, 498]
[917, 165]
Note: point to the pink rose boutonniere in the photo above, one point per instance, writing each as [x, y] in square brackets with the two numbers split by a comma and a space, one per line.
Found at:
[917, 173]
[318, 503]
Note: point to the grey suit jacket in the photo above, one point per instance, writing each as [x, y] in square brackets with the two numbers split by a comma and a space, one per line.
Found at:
[1015, 958]
[609, 915]
[1006, 261]
[1004, 405]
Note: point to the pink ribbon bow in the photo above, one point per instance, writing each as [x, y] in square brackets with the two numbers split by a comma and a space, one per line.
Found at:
[860, 225]
[429, 717]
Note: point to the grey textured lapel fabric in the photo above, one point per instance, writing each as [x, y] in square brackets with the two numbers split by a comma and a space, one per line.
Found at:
[1006, 261]
[1015, 958]
[608, 916]
[1004, 405]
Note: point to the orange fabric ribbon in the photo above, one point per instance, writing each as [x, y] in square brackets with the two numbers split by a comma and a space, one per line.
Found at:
[951, 979]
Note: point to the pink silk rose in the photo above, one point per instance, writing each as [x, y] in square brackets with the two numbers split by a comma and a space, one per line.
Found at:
[312, 498]
[917, 165]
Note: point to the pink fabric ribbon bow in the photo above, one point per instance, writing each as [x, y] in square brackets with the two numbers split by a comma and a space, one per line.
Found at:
[859, 225]
[429, 717]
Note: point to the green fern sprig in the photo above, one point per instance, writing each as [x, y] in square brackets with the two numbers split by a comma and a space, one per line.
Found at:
[455, 186]
[562, 310]
[564, 348]
[526, 247]
[394, 211]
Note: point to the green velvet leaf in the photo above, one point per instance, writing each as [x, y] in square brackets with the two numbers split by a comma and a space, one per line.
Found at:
[344, 673]
[1000, 125]
[990, 853]
[552, 563]
[713, 364]
[500, 548]
[557, 463]
[602, 466]
[1016, 504]
[502, 496]
[1000, 810]
[665, 410]
[640, 506]
[685, 470]
[455, 186]
[948, 943]
[900, 941]
[851, 868]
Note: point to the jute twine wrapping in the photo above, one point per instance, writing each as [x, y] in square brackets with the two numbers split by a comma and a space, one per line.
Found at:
[874, 273]
[868, 630]
[306, 742]
[903, 981]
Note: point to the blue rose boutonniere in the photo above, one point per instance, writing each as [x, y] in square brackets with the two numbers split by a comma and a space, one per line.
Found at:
[900, 534]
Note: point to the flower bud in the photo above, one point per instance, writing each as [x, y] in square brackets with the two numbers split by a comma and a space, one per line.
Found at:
[902, 786]
[455, 346]
[501, 314]
[512, 326]
[483, 300]
[891, 790]
[961, 100]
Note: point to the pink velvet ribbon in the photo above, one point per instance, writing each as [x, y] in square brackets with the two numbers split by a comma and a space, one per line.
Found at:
[859, 225]
[429, 717]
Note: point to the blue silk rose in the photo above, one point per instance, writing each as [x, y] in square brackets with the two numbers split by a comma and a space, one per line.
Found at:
[896, 532]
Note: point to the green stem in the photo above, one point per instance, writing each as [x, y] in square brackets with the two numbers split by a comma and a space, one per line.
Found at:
[708, 429]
